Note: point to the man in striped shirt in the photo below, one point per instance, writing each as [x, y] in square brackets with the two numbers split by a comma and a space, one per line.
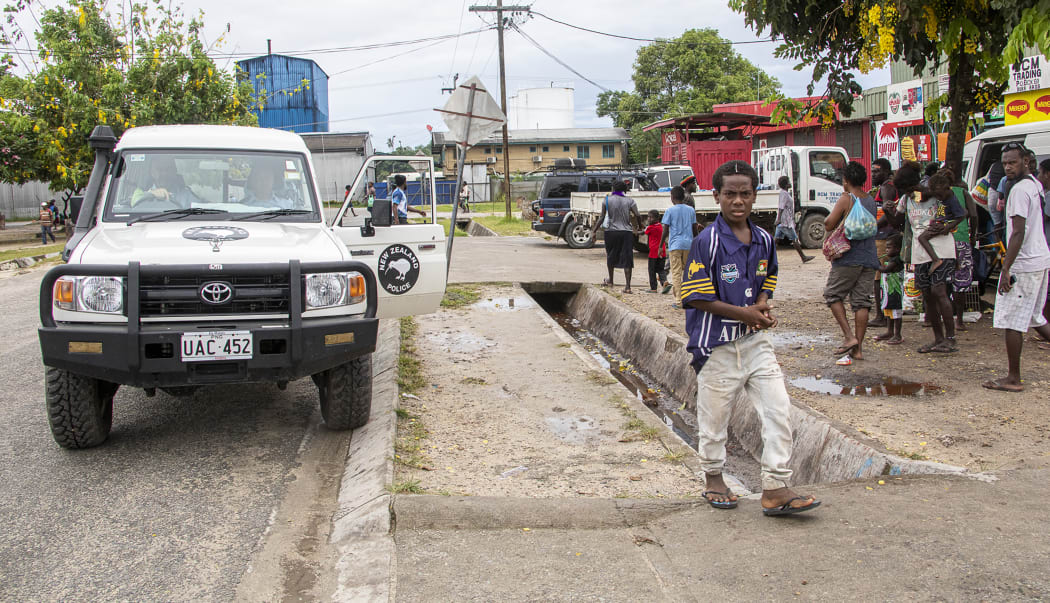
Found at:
[730, 275]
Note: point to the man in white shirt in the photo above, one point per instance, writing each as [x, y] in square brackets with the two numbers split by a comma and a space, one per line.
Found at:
[1023, 281]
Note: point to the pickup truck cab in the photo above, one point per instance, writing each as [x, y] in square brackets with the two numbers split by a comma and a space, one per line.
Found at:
[553, 204]
[202, 256]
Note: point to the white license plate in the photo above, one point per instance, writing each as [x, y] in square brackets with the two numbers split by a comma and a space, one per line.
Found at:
[216, 345]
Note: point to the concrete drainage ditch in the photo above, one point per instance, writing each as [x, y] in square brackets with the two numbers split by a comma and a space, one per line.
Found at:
[825, 450]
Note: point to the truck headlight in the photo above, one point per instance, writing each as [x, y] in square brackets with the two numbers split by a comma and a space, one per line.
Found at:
[330, 289]
[99, 294]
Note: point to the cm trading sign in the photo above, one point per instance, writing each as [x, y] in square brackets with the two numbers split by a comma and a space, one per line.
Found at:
[1027, 107]
[1031, 74]
[904, 106]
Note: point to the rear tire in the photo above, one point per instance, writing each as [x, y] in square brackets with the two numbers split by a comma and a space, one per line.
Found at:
[79, 408]
[346, 394]
[578, 235]
[811, 232]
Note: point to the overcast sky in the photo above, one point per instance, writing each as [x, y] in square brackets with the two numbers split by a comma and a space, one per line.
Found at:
[396, 97]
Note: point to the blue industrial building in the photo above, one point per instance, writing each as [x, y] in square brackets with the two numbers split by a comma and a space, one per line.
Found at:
[296, 92]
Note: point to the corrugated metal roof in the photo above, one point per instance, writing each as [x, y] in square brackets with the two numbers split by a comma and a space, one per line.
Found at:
[289, 105]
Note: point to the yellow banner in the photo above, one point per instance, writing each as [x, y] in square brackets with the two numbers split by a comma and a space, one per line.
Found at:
[1027, 107]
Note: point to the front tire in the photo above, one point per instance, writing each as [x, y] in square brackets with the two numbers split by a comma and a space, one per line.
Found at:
[79, 408]
[578, 235]
[346, 394]
[811, 233]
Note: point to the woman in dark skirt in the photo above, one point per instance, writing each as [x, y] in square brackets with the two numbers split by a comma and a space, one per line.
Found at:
[619, 232]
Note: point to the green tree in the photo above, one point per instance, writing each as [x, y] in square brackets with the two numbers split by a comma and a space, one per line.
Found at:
[89, 67]
[687, 74]
[978, 39]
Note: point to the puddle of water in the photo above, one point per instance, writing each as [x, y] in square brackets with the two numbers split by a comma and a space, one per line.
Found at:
[504, 304]
[644, 388]
[575, 430]
[859, 386]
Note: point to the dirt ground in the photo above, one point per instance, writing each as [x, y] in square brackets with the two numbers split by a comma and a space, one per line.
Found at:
[508, 405]
[955, 421]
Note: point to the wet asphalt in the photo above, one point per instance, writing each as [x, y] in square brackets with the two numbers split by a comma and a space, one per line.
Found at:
[172, 507]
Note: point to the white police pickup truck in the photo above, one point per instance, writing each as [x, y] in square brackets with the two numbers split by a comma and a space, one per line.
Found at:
[202, 256]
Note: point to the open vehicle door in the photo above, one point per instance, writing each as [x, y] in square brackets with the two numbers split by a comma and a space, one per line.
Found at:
[409, 260]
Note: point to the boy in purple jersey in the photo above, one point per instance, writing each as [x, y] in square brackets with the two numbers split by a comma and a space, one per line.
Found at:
[729, 277]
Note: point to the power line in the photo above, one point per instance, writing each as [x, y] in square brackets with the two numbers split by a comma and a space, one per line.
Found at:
[556, 59]
[359, 118]
[661, 40]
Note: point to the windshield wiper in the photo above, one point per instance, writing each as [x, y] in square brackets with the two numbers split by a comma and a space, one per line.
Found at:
[177, 213]
[273, 213]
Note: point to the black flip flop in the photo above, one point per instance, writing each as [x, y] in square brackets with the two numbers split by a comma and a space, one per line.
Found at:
[729, 504]
[787, 509]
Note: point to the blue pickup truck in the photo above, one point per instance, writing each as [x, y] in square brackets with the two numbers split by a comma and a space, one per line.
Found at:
[559, 184]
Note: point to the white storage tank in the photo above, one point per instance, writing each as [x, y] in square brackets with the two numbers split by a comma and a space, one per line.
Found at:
[541, 108]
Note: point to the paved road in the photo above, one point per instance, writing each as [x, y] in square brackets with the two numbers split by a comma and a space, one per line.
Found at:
[176, 505]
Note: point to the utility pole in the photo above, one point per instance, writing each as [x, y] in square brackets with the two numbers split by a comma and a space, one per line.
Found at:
[499, 9]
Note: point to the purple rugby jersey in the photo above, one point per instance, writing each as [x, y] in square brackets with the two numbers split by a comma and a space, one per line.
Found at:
[721, 268]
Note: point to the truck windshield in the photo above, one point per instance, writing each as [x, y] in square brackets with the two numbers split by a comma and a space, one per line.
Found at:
[243, 185]
[827, 165]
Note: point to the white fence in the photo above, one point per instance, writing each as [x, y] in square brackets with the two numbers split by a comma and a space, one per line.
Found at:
[23, 200]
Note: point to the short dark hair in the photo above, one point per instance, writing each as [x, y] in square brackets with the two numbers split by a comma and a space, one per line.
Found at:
[654, 215]
[1045, 165]
[907, 176]
[677, 193]
[884, 164]
[734, 167]
[855, 174]
[783, 182]
[941, 180]
[931, 168]
[620, 186]
[347, 187]
[399, 180]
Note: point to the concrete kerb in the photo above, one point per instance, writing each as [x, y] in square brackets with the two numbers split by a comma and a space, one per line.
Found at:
[476, 229]
[26, 262]
[824, 450]
[361, 527]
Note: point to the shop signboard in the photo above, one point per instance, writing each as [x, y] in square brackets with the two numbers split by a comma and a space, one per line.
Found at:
[1027, 107]
[916, 148]
[888, 143]
[905, 104]
[1032, 73]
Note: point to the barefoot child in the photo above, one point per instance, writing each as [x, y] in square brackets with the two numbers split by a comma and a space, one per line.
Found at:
[892, 306]
[657, 253]
[730, 274]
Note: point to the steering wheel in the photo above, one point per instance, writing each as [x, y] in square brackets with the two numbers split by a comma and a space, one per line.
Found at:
[152, 204]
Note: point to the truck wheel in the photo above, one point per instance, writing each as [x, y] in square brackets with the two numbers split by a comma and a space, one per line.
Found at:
[79, 409]
[811, 232]
[346, 394]
[578, 235]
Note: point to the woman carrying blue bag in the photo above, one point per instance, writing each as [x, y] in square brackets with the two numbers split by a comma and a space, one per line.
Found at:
[852, 275]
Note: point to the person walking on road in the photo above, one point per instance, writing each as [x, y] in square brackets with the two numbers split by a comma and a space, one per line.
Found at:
[619, 234]
[347, 194]
[730, 278]
[679, 229]
[46, 220]
[852, 275]
[1023, 280]
[786, 219]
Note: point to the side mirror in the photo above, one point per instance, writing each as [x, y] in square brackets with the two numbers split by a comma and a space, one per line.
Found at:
[381, 212]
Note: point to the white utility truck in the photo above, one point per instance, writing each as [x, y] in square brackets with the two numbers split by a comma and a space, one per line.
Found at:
[202, 256]
[815, 174]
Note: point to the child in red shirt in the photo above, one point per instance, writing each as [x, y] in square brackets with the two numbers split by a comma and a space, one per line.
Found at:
[657, 253]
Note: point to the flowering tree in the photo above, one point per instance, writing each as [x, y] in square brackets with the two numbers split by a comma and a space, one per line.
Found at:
[89, 67]
[978, 39]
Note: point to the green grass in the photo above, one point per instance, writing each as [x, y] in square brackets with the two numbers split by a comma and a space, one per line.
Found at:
[489, 207]
[514, 227]
[458, 296]
[409, 369]
[410, 486]
[27, 252]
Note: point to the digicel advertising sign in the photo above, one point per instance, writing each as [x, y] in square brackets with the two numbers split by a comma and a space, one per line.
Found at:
[1027, 107]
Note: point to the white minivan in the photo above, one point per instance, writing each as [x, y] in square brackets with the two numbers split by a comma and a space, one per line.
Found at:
[985, 149]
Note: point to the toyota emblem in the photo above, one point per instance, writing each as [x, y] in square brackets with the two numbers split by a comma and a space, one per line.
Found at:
[216, 293]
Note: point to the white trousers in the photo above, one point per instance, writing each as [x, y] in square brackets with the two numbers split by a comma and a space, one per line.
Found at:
[749, 366]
